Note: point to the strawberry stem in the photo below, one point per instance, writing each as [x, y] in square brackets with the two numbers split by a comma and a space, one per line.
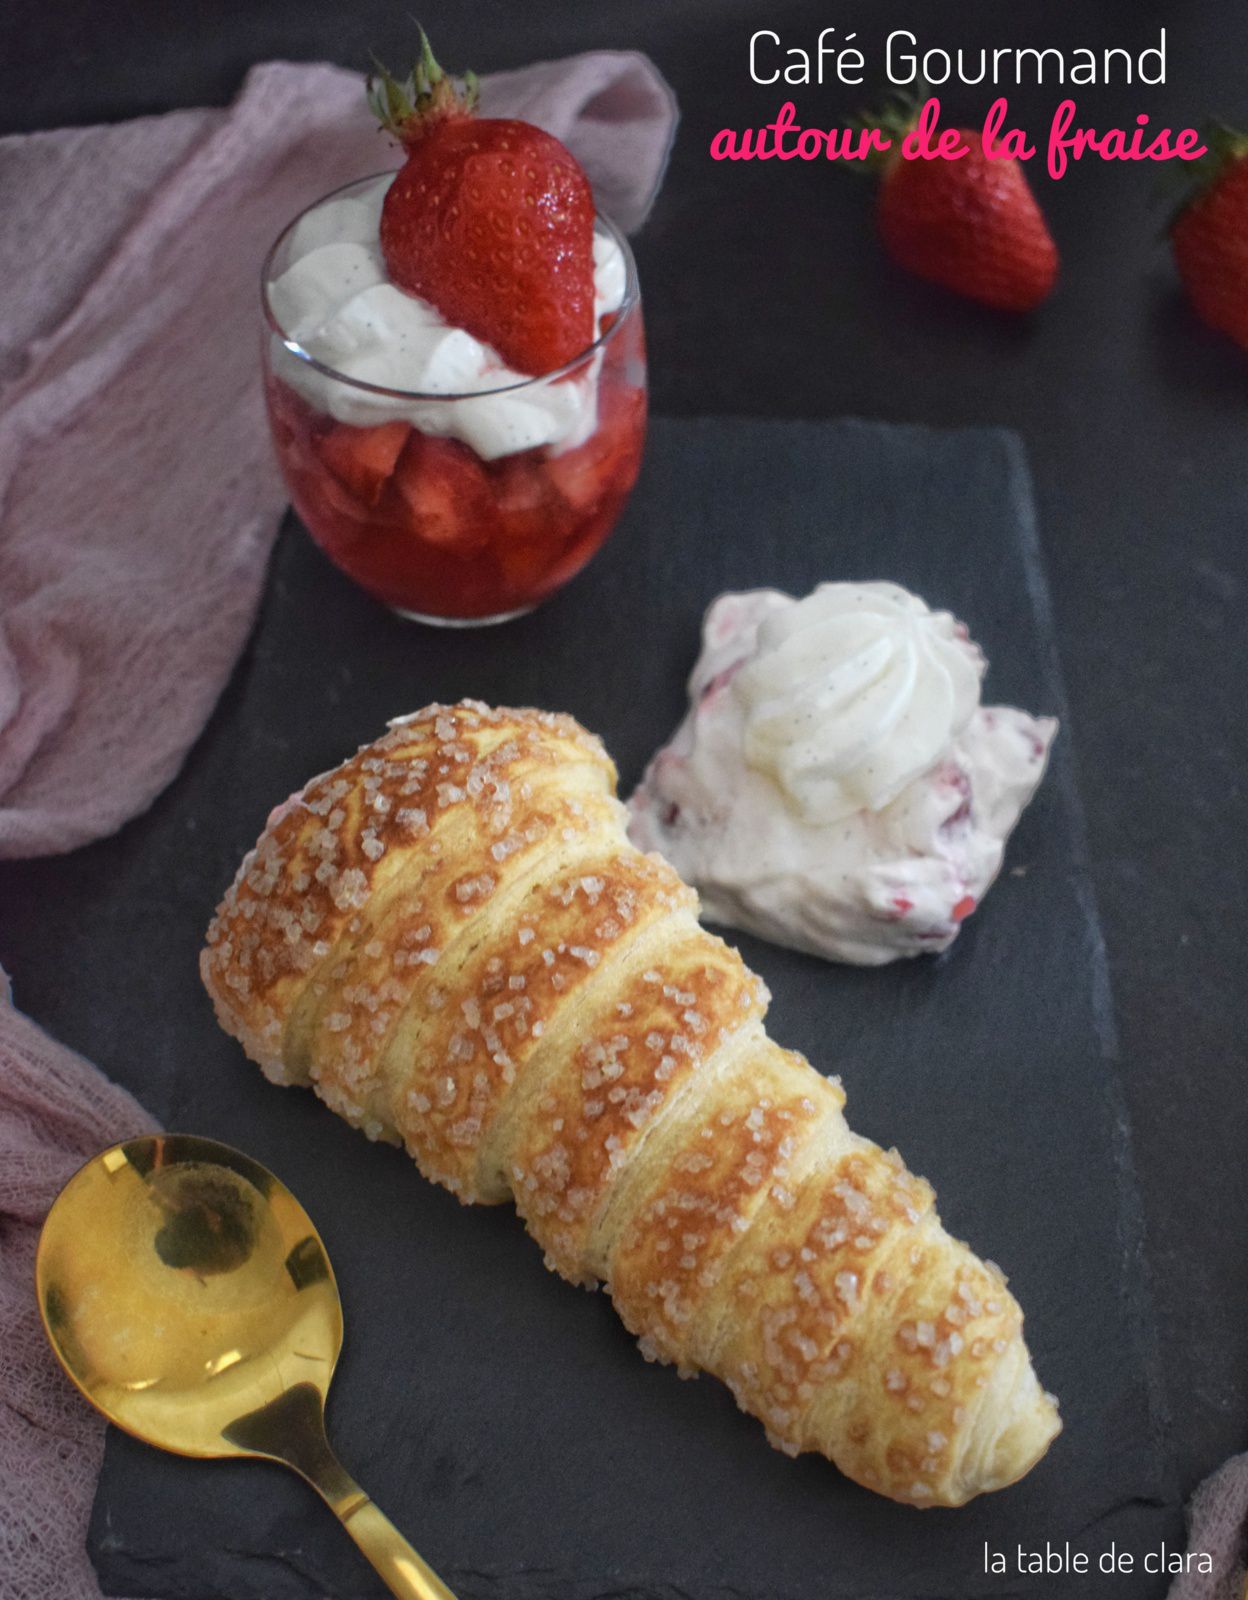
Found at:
[895, 118]
[407, 107]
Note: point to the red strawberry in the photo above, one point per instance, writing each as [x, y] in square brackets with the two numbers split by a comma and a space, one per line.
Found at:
[490, 220]
[527, 508]
[444, 495]
[970, 224]
[586, 475]
[363, 458]
[1210, 235]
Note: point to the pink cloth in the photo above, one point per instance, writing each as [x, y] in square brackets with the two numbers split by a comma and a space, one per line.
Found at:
[1218, 1522]
[138, 494]
[138, 505]
[55, 1111]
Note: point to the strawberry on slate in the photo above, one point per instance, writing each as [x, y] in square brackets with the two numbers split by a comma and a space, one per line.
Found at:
[1210, 235]
[490, 220]
[970, 224]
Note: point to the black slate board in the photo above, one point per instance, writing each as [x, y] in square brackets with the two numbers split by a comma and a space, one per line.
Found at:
[502, 1418]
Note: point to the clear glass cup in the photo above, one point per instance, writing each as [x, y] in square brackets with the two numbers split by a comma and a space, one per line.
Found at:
[440, 504]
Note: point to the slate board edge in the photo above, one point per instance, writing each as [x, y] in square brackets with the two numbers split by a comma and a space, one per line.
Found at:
[1137, 1275]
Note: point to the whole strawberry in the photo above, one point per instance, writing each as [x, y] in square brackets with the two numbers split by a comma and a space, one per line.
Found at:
[490, 220]
[1210, 235]
[972, 225]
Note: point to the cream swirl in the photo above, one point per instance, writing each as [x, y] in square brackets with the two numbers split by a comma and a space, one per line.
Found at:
[853, 693]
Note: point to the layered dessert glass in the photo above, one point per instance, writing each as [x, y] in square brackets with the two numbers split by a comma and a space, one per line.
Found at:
[455, 490]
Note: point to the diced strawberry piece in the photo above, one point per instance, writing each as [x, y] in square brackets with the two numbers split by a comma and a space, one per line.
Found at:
[326, 490]
[576, 552]
[443, 494]
[607, 463]
[534, 568]
[287, 408]
[297, 456]
[524, 563]
[527, 506]
[363, 458]
[624, 413]
[582, 476]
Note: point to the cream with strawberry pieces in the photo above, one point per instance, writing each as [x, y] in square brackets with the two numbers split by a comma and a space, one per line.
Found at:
[456, 363]
[836, 785]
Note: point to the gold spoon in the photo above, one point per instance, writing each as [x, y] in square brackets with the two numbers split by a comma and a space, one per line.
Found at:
[189, 1297]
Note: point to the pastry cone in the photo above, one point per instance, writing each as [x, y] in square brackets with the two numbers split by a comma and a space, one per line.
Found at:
[452, 940]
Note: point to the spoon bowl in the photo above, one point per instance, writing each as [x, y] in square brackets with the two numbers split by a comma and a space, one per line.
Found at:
[189, 1297]
[184, 1286]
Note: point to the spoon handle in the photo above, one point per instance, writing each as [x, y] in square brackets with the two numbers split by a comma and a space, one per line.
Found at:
[397, 1564]
[404, 1573]
[291, 1429]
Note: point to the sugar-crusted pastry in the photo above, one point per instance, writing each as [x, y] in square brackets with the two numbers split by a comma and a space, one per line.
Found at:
[836, 785]
[452, 940]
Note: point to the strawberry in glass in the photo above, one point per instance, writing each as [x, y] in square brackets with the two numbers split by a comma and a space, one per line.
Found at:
[455, 363]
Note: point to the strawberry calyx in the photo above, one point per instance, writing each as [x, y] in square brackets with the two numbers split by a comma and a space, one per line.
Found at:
[894, 118]
[1225, 147]
[409, 107]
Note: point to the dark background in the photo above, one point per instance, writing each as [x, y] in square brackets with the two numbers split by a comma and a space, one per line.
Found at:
[766, 296]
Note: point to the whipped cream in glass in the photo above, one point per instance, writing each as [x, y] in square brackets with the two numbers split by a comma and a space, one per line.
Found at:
[836, 785]
[340, 315]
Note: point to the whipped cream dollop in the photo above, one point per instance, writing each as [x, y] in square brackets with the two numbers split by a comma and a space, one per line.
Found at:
[853, 692]
[836, 786]
[335, 303]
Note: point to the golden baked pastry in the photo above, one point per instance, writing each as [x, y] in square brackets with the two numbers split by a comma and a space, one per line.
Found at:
[452, 940]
